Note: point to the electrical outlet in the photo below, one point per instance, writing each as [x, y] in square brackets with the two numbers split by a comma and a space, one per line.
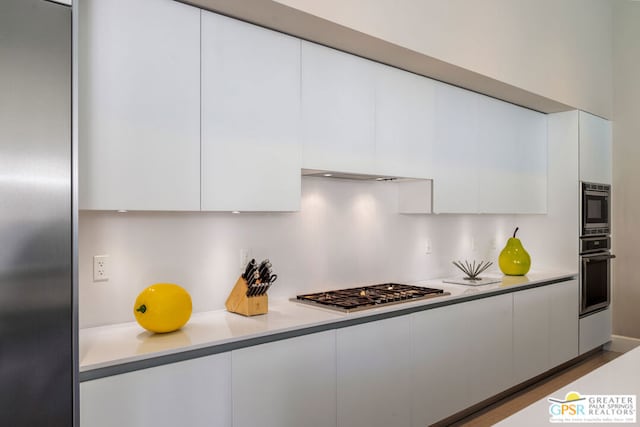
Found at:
[494, 243]
[427, 246]
[101, 268]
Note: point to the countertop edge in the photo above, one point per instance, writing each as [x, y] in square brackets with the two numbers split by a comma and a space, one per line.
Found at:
[180, 355]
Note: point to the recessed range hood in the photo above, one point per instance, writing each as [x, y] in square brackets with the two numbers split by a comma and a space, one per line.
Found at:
[414, 194]
[353, 176]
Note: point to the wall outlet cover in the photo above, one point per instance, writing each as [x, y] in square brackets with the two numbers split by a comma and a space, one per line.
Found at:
[101, 268]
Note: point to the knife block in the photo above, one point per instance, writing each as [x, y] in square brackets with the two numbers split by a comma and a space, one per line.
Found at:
[239, 302]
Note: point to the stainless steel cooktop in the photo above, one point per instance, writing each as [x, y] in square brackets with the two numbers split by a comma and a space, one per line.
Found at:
[364, 297]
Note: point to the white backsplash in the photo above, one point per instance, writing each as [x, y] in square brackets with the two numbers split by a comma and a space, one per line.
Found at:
[347, 233]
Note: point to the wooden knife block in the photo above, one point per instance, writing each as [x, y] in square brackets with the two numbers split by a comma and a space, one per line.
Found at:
[239, 302]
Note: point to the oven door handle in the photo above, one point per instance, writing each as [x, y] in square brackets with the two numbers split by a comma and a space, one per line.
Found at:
[590, 258]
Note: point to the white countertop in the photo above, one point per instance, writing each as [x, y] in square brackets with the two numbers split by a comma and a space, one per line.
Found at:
[621, 376]
[112, 345]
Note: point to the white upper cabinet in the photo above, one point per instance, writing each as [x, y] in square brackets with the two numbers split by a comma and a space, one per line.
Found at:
[250, 117]
[512, 158]
[455, 152]
[595, 148]
[139, 105]
[404, 123]
[338, 110]
[489, 156]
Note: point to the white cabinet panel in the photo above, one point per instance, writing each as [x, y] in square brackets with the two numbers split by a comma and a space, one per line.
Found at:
[440, 373]
[191, 393]
[563, 322]
[489, 157]
[595, 330]
[595, 148]
[545, 322]
[250, 116]
[338, 105]
[405, 123]
[531, 328]
[374, 376]
[455, 153]
[490, 350]
[286, 383]
[461, 355]
[512, 158]
[139, 105]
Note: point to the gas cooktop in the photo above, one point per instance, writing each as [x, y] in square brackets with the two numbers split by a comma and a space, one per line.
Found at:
[364, 297]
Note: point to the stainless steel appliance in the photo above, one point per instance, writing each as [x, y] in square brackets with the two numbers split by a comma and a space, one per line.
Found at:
[595, 276]
[37, 336]
[364, 297]
[596, 209]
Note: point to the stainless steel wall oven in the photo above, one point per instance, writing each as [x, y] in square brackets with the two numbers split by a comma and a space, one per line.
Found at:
[595, 248]
[595, 290]
[596, 201]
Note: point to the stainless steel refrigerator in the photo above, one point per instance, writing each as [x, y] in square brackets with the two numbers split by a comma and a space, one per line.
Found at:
[37, 321]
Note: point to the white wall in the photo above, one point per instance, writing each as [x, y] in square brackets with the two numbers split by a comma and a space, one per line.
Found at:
[561, 50]
[626, 174]
[347, 233]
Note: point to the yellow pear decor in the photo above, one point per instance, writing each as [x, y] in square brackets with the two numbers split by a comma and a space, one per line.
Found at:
[514, 260]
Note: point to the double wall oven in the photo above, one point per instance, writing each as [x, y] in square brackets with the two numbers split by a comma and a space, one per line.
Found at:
[595, 248]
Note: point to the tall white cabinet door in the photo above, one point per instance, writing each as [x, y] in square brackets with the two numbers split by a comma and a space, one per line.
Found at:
[191, 393]
[440, 373]
[512, 158]
[405, 123]
[563, 322]
[530, 333]
[338, 105]
[595, 148]
[139, 105]
[250, 116]
[490, 346]
[286, 383]
[455, 152]
[374, 378]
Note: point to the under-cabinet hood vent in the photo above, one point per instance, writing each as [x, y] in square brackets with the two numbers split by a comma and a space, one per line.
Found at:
[351, 176]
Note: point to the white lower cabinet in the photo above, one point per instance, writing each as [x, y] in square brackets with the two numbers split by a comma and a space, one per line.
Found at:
[374, 376]
[490, 346]
[563, 322]
[530, 333]
[461, 355]
[191, 393]
[285, 383]
[545, 328]
[440, 377]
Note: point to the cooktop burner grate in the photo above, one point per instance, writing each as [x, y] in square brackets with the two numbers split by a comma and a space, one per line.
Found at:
[363, 297]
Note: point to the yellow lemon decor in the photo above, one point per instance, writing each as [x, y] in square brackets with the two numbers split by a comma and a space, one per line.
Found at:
[163, 307]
